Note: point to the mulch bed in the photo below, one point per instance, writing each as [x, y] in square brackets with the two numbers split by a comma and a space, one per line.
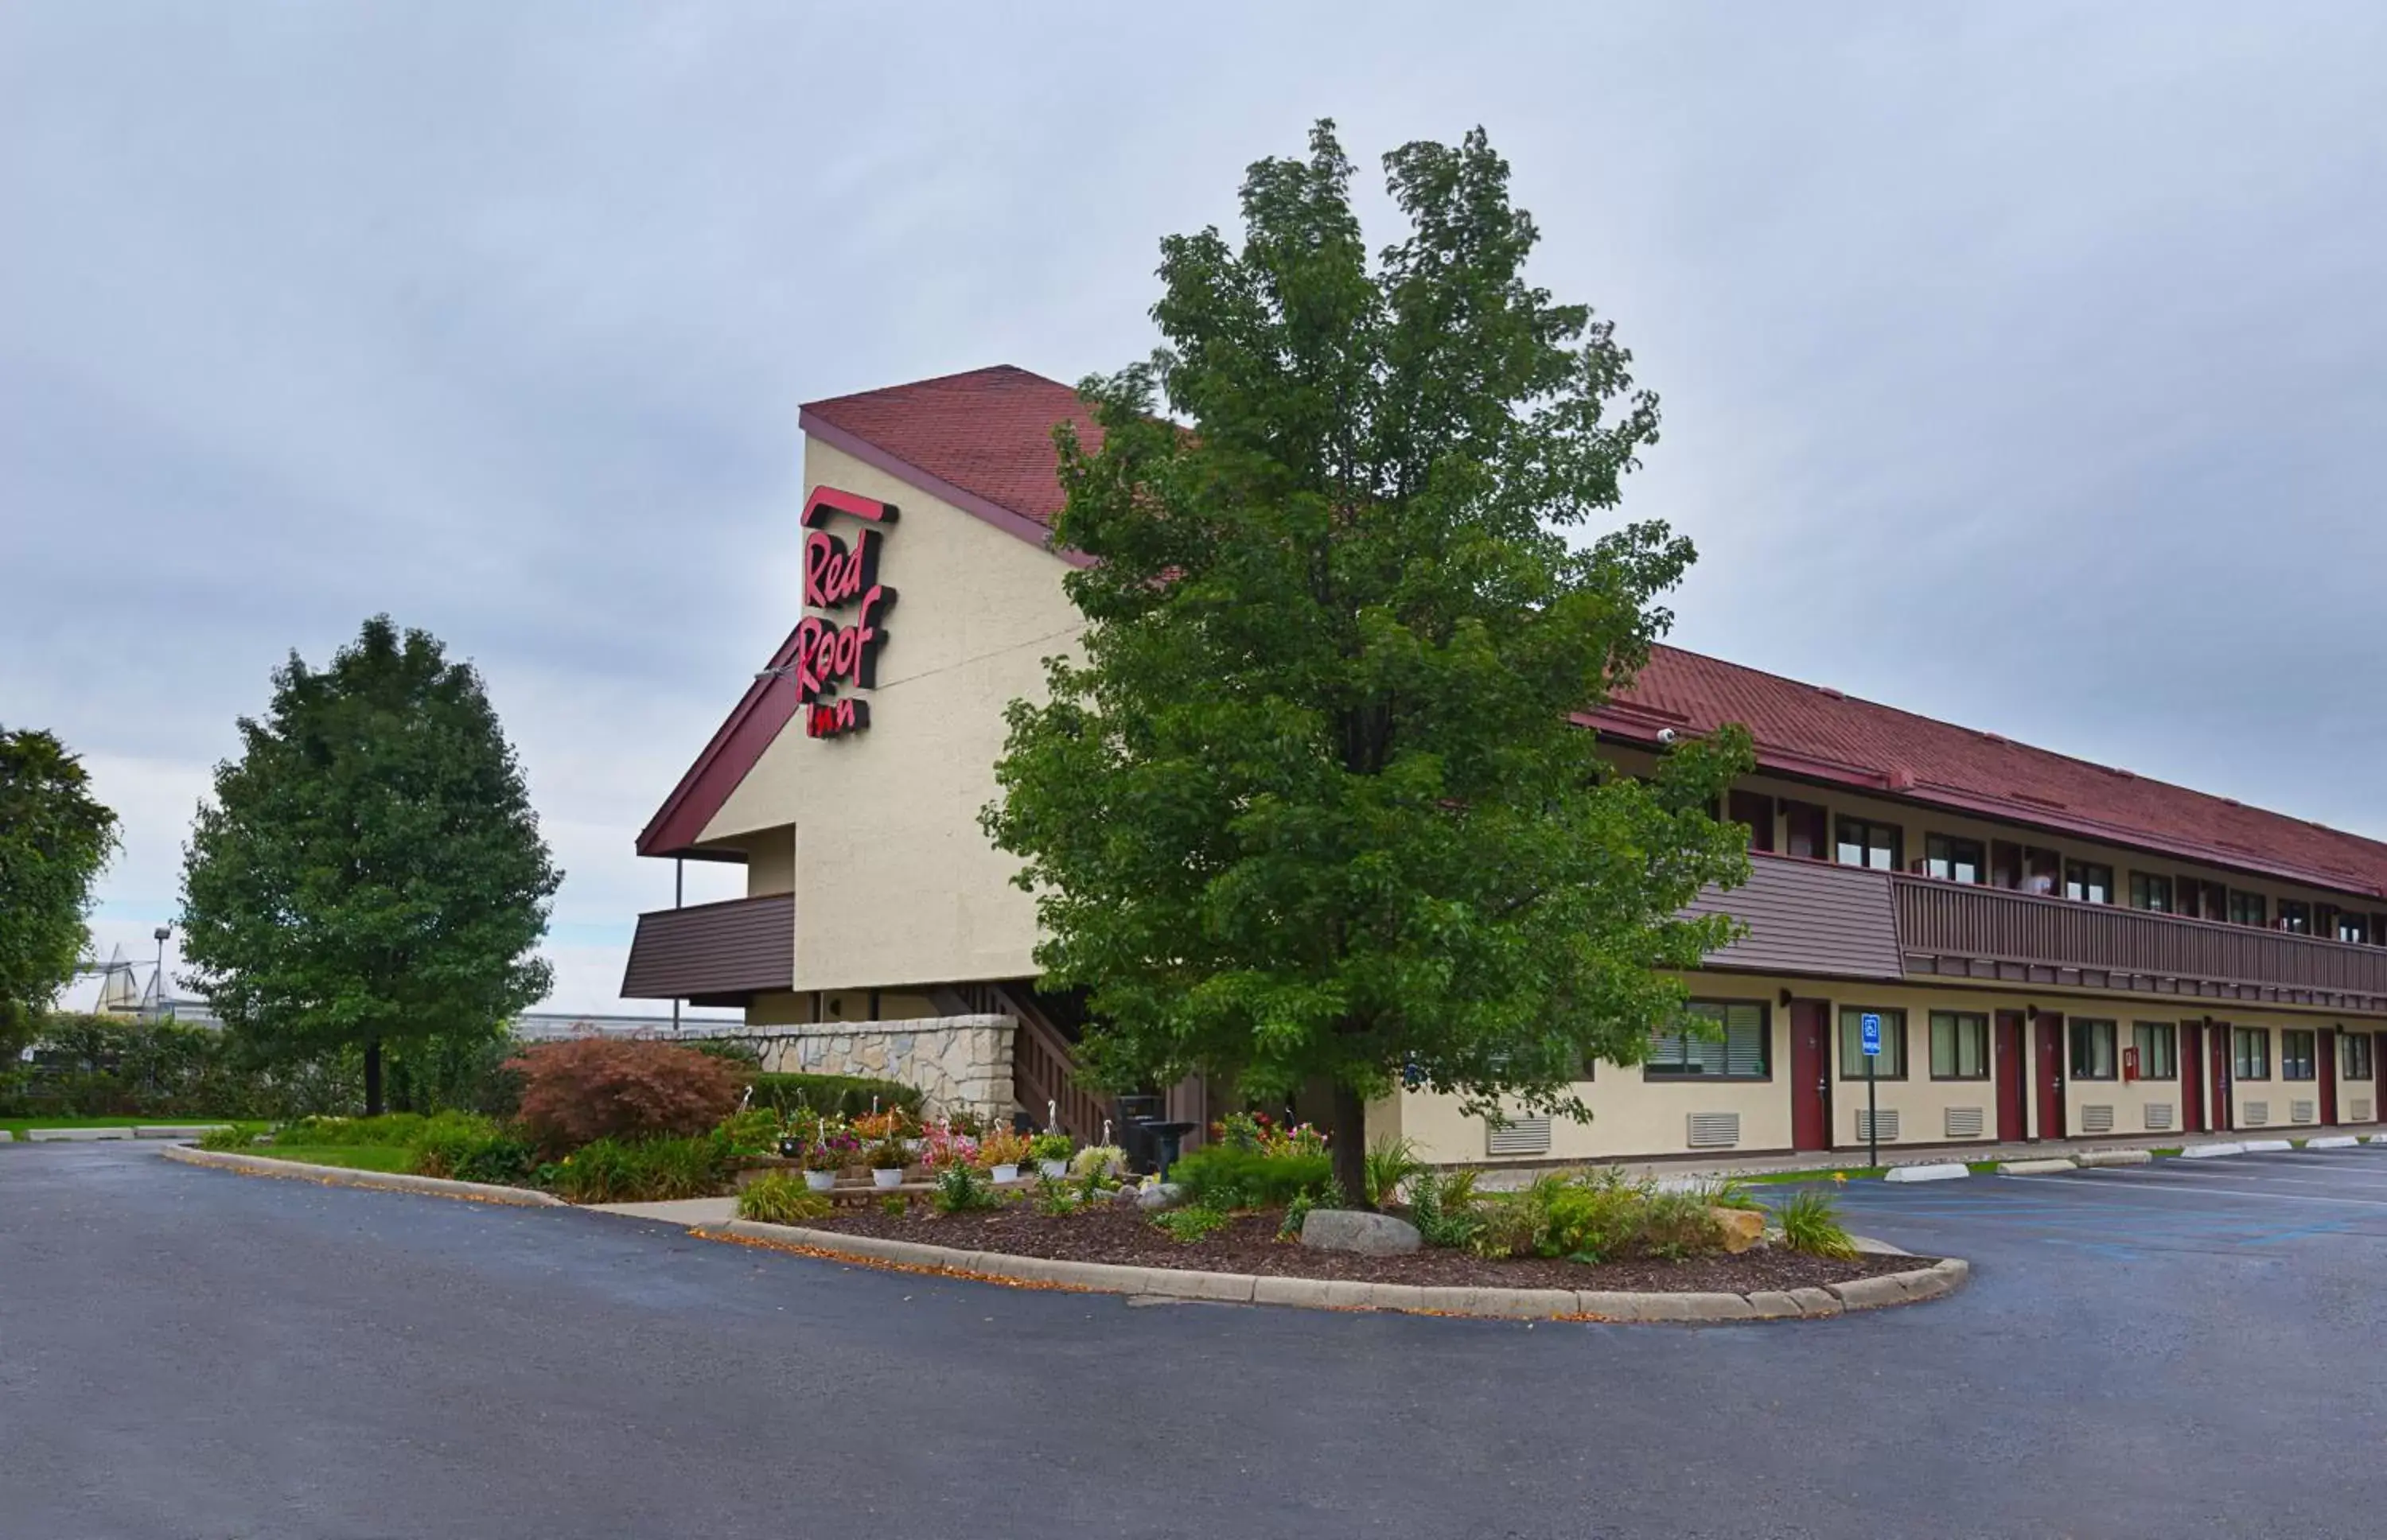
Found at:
[1249, 1244]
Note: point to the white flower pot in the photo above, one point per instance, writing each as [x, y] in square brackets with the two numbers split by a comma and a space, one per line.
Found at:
[887, 1176]
[820, 1181]
[1057, 1169]
[1008, 1171]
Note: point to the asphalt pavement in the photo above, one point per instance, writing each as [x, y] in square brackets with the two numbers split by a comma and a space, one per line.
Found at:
[196, 1354]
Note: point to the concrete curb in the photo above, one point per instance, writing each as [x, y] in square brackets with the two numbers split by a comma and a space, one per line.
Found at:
[1324, 1293]
[2115, 1158]
[343, 1176]
[1946, 1172]
[2033, 1167]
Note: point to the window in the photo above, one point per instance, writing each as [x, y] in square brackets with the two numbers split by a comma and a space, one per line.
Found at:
[2296, 916]
[2353, 927]
[2253, 1055]
[1804, 823]
[2151, 892]
[2249, 908]
[2353, 1061]
[2087, 882]
[1959, 1046]
[2093, 1050]
[1865, 843]
[2159, 1046]
[1954, 859]
[2295, 1056]
[1892, 1064]
[1738, 1050]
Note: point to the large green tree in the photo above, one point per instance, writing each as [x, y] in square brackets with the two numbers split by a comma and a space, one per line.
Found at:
[55, 840]
[370, 872]
[1310, 813]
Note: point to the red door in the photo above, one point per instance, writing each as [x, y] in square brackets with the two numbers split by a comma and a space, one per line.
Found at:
[2013, 1103]
[1811, 1077]
[2223, 1115]
[2327, 1064]
[2191, 1076]
[2048, 1051]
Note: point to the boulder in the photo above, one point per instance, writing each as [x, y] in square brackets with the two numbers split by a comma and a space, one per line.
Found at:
[1155, 1196]
[1351, 1230]
[1743, 1228]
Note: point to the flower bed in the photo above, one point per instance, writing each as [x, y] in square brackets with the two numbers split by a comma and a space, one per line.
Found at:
[1247, 1242]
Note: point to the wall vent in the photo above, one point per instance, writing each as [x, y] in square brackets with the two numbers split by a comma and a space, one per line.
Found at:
[1709, 1129]
[2358, 1111]
[1865, 1128]
[2097, 1119]
[2300, 1112]
[2253, 1114]
[1961, 1123]
[2158, 1116]
[1519, 1136]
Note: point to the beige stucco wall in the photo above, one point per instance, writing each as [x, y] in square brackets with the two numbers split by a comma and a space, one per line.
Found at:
[894, 883]
[1634, 1117]
[770, 863]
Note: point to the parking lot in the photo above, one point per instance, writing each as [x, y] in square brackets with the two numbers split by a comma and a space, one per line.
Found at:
[2248, 1205]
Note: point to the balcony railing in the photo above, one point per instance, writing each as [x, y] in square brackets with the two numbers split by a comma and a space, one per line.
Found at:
[1957, 927]
[715, 953]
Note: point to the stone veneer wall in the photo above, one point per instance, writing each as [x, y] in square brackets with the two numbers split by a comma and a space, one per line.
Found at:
[959, 1063]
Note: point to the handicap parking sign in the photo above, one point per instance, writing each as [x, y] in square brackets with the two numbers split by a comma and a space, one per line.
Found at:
[1870, 1025]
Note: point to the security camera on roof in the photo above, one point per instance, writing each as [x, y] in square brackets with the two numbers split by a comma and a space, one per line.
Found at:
[1665, 734]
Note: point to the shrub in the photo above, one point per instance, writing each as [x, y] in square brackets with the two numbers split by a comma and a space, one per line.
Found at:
[239, 1136]
[1192, 1221]
[781, 1199]
[1225, 1177]
[587, 1088]
[391, 1130]
[960, 1190]
[1443, 1206]
[832, 1095]
[461, 1153]
[736, 1051]
[1389, 1162]
[649, 1170]
[1596, 1216]
[1811, 1222]
[751, 1133]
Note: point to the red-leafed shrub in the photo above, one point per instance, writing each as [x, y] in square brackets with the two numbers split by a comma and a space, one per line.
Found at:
[587, 1088]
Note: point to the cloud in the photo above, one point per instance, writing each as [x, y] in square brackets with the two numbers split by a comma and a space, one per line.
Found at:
[2018, 361]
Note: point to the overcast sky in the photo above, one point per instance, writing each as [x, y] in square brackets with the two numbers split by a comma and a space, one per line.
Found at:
[2022, 364]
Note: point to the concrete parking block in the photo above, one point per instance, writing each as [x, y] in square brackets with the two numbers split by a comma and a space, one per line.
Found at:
[1948, 1171]
[2032, 1167]
[2115, 1158]
[2266, 1146]
[2211, 1151]
[74, 1136]
[2332, 1141]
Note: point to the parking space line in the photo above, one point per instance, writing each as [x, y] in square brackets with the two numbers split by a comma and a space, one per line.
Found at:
[2193, 1189]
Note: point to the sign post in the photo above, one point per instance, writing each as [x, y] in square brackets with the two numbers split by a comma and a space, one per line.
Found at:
[1869, 1025]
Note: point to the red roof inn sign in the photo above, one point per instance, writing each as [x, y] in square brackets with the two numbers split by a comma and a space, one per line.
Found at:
[838, 652]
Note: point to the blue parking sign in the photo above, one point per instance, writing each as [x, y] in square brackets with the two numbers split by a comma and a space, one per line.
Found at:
[1870, 1025]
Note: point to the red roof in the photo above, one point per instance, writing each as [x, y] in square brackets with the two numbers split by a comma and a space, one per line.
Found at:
[987, 436]
[1822, 734]
[989, 432]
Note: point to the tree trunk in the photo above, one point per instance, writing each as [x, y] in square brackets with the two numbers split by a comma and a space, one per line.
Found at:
[1346, 1141]
[372, 1079]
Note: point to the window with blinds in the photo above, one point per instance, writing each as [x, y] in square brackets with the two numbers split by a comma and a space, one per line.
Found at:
[1730, 1043]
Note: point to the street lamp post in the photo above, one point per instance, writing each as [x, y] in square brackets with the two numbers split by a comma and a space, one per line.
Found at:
[158, 979]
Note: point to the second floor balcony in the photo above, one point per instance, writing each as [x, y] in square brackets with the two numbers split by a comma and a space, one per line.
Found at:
[1812, 916]
[714, 954]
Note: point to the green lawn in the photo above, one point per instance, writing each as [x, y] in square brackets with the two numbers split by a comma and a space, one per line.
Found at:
[362, 1157]
[1824, 1173]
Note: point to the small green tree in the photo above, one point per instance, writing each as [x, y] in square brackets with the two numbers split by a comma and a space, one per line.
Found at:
[1311, 811]
[54, 840]
[370, 872]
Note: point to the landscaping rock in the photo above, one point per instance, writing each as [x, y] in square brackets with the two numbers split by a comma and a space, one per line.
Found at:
[1743, 1228]
[1126, 1196]
[1160, 1196]
[1350, 1229]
